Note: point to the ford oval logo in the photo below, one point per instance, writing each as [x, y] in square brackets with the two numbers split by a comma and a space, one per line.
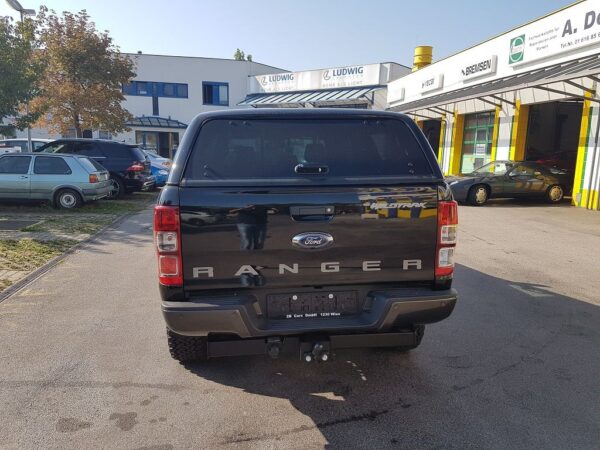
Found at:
[313, 241]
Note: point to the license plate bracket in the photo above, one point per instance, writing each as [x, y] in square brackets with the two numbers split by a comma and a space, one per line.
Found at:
[310, 305]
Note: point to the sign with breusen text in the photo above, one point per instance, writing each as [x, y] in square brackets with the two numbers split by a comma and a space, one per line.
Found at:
[480, 68]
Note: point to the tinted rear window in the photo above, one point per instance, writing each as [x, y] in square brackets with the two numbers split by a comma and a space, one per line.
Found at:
[123, 151]
[91, 165]
[138, 154]
[271, 149]
[50, 165]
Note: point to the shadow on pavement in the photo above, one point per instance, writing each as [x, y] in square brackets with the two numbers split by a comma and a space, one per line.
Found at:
[516, 365]
[137, 230]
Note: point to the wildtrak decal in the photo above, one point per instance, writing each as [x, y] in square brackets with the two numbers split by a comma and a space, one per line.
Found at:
[388, 205]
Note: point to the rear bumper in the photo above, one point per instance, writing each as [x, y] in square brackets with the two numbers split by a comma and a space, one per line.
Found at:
[161, 179]
[242, 315]
[96, 194]
[140, 183]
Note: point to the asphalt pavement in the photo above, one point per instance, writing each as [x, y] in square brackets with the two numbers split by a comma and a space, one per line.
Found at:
[84, 361]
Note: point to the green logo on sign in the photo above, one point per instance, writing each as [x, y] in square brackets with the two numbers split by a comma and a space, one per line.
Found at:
[517, 49]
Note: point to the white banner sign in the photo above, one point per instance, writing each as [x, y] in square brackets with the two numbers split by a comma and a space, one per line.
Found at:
[337, 77]
[574, 28]
[477, 69]
[432, 83]
[396, 90]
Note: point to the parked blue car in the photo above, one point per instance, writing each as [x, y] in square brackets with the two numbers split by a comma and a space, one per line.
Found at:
[159, 166]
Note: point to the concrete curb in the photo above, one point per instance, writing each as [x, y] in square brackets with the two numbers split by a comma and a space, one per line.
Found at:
[37, 273]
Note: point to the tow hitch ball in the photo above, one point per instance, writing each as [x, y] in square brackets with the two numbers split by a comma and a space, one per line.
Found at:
[319, 353]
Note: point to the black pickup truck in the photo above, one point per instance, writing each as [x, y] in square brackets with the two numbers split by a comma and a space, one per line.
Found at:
[303, 231]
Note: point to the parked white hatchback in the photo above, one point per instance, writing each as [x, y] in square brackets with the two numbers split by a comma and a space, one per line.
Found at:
[67, 181]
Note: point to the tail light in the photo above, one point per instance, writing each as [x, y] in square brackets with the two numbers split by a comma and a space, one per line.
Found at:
[94, 178]
[167, 238]
[136, 167]
[446, 239]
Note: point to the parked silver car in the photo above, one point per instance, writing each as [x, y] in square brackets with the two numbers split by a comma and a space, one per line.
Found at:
[65, 180]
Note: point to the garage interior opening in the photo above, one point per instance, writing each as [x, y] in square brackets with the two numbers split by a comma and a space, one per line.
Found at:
[553, 134]
[431, 130]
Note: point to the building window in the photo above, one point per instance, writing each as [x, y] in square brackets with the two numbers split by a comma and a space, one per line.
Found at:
[477, 141]
[215, 93]
[71, 133]
[169, 90]
[182, 90]
[142, 88]
[129, 88]
[104, 135]
[159, 89]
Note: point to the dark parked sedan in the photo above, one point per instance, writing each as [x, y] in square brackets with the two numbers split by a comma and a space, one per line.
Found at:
[511, 179]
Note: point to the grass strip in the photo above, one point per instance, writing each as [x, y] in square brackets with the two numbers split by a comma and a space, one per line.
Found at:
[29, 254]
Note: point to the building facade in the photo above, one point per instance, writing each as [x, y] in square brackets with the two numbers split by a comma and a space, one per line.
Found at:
[527, 94]
[168, 91]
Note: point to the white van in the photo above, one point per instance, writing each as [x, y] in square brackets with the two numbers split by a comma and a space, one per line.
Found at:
[20, 145]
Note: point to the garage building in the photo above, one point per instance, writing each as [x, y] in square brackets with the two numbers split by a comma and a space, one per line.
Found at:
[527, 94]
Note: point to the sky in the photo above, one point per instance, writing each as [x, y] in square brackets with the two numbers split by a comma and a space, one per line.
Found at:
[302, 34]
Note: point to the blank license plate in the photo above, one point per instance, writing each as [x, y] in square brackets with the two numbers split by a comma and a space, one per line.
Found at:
[311, 305]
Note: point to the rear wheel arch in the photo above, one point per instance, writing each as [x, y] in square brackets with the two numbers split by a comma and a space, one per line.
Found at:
[57, 189]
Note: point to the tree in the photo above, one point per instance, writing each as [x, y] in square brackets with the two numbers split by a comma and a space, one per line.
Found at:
[18, 70]
[239, 55]
[81, 86]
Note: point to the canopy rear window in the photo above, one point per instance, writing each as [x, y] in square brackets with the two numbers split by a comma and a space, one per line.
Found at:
[351, 149]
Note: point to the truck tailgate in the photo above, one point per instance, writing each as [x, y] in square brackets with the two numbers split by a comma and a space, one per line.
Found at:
[379, 234]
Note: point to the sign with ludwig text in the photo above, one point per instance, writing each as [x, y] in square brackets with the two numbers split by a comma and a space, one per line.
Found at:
[479, 68]
[336, 77]
[432, 83]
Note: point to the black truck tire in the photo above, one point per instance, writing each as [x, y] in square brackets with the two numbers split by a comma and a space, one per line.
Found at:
[118, 190]
[187, 348]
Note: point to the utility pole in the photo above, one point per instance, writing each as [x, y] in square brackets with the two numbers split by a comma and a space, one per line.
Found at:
[14, 4]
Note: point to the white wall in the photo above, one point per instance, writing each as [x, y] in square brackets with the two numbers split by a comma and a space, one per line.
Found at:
[445, 165]
[503, 149]
[591, 179]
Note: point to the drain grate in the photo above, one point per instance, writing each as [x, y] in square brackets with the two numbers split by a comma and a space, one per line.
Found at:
[16, 225]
